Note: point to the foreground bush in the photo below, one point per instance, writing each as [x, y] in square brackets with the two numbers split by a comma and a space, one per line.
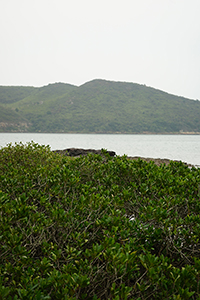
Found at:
[97, 227]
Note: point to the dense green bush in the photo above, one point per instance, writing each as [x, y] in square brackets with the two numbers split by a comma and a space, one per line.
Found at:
[97, 227]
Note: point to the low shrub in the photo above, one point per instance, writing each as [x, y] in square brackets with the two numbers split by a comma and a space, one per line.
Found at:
[97, 227]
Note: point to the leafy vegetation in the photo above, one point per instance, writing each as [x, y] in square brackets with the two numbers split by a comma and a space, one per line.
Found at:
[12, 94]
[12, 121]
[97, 227]
[103, 107]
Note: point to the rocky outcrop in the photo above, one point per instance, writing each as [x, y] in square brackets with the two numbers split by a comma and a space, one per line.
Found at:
[14, 127]
[78, 151]
[157, 161]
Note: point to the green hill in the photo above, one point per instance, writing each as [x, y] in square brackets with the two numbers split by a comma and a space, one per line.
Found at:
[12, 121]
[15, 101]
[102, 106]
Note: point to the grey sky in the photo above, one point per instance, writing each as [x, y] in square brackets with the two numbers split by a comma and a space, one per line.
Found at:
[152, 42]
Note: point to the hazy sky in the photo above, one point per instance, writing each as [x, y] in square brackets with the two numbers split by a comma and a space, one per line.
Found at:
[152, 42]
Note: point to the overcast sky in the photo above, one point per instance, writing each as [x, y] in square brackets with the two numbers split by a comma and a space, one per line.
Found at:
[152, 42]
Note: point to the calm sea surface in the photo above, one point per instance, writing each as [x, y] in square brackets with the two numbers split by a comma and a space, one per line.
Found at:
[175, 147]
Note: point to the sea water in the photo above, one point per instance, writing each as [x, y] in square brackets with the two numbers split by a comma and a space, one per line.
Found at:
[175, 147]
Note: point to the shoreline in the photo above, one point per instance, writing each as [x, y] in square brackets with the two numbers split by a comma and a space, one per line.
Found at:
[77, 152]
[109, 132]
[159, 161]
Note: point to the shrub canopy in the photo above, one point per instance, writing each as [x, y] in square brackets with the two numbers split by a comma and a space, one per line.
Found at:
[97, 227]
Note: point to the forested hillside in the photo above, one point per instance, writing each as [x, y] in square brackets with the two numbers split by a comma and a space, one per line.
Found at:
[98, 106]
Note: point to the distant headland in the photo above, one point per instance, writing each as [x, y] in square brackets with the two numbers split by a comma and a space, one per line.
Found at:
[98, 106]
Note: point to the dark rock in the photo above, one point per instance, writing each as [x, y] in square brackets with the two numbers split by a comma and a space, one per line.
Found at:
[157, 161]
[78, 151]
[75, 152]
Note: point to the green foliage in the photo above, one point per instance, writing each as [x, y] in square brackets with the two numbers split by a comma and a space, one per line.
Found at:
[28, 103]
[11, 94]
[103, 107]
[97, 227]
[11, 120]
